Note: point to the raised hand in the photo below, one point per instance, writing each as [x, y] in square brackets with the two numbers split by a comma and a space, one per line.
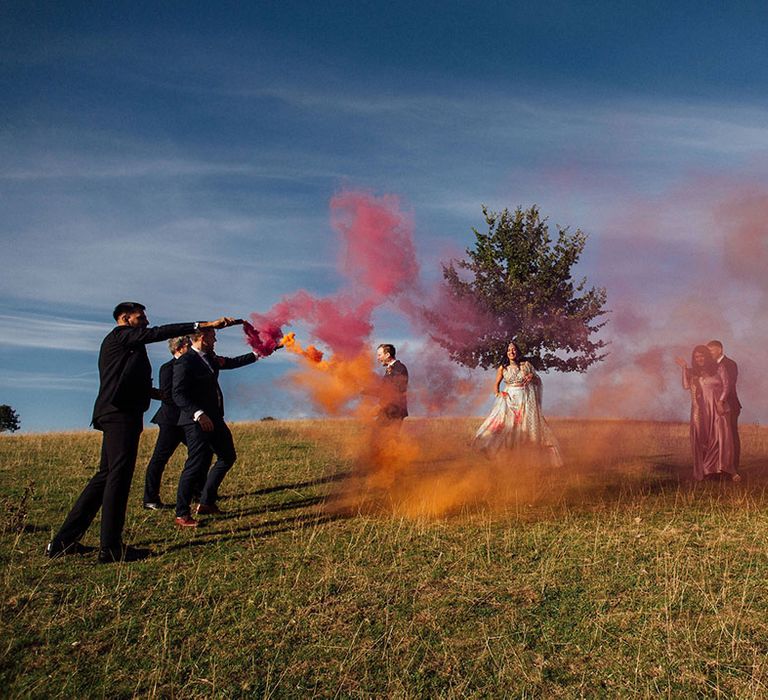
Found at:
[680, 362]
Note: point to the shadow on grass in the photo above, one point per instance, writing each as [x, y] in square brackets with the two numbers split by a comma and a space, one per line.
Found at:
[256, 531]
[273, 508]
[340, 476]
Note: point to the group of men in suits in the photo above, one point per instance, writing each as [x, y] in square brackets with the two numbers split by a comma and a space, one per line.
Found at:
[125, 390]
[192, 413]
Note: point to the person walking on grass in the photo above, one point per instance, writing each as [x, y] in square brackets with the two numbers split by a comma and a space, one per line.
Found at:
[197, 393]
[170, 434]
[125, 389]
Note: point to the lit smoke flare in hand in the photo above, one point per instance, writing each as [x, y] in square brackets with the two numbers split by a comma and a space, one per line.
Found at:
[266, 345]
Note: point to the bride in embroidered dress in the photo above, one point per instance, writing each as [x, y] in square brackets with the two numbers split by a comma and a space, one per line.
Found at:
[516, 420]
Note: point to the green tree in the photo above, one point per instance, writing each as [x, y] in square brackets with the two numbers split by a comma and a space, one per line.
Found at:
[520, 280]
[9, 419]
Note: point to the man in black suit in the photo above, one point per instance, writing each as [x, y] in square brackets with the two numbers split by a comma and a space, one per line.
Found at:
[393, 395]
[197, 393]
[730, 402]
[171, 434]
[125, 388]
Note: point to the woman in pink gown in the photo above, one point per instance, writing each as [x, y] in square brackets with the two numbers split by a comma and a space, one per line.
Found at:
[516, 421]
[711, 437]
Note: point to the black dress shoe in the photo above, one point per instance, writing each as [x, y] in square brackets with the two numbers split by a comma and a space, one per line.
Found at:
[203, 509]
[156, 505]
[127, 553]
[56, 549]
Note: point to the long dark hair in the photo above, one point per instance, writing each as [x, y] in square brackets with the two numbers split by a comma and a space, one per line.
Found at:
[710, 366]
[505, 360]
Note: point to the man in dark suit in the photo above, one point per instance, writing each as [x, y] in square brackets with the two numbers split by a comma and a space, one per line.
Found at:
[197, 393]
[393, 395]
[170, 434]
[730, 401]
[125, 388]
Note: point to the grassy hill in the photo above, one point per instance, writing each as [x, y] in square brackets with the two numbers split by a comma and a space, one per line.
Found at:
[615, 576]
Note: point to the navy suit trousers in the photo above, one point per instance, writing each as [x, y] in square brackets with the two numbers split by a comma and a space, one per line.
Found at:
[201, 447]
[168, 439]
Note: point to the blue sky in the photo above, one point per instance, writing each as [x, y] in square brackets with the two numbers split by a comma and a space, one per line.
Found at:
[183, 154]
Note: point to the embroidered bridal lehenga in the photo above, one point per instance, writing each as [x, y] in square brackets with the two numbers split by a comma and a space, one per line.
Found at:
[516, 421]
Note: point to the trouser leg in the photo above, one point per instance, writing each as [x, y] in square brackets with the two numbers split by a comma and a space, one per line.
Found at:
[734, 419]
[86, 506]
[199, 454]
[122, 448]
[224, 447]
[168, 439]
[108, 488]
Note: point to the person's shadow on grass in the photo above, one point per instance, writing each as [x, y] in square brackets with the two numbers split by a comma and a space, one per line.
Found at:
[256, 531]
[340, 476]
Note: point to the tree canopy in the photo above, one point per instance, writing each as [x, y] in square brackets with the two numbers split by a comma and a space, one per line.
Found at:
[9, 419]
[520, 280]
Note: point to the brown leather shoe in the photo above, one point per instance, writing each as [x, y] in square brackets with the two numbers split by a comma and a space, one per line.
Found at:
[186, 521]
[203, 509]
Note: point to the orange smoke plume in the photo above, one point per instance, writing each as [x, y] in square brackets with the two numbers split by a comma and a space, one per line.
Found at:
[337, 386]
[310, 353]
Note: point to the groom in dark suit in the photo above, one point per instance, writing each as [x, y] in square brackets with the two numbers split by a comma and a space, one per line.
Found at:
[393, 394]
[731, 404]
[197, 393]
[125, 388]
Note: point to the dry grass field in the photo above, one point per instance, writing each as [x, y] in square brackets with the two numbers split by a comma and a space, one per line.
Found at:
[616, 576]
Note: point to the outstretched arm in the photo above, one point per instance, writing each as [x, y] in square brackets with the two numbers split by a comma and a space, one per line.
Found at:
[235, 362]
[133, 337]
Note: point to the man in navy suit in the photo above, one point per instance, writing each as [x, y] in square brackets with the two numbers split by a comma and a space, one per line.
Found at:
[730, 403]
[125, 389]
[197, 393]
[170, 434]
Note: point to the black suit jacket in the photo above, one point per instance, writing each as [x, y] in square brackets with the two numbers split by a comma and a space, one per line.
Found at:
[394, 391]
[733, 374]
[125, 375]
[196, 386]
[168, 413]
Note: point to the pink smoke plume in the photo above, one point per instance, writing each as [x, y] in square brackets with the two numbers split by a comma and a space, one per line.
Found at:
[379, 254]
[267, 344]
[379, 263]
[378, 266]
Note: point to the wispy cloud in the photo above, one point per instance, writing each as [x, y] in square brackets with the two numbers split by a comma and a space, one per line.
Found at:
[33, 331]
[48, 382]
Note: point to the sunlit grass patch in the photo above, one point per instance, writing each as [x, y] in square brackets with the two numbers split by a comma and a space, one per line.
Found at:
[614, 576]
